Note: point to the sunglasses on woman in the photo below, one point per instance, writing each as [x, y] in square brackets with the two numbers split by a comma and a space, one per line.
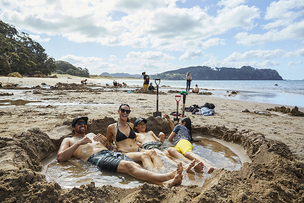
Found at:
[125, 111]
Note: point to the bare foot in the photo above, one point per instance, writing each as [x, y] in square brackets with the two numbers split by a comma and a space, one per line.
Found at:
[189, 166]
[199, 167]
[177, 180]
[178, 171]
[210, 170]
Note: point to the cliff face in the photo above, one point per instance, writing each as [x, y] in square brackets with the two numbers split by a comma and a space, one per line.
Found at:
[207, 73]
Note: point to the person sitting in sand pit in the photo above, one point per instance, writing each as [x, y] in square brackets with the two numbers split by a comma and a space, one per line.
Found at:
[124, 137]
[182, 135]
[115, 84]
[195, 89]
[124, 84]
[95, 150]
[149, 140]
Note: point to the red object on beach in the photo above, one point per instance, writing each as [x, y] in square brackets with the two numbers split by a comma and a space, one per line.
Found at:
[177, 101]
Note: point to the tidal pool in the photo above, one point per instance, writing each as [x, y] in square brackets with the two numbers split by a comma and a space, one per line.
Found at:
[75, 172]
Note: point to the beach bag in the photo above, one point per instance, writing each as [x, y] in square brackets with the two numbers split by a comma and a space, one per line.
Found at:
[208, 105]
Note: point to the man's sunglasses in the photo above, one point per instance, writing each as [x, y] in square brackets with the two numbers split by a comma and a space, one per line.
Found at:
[81, 122]
[125, 111]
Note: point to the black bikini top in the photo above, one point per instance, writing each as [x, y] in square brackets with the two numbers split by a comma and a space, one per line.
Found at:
[120, 136]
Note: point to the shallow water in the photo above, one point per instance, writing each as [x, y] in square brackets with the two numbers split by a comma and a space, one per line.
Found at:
[18, 102]
[77, 172]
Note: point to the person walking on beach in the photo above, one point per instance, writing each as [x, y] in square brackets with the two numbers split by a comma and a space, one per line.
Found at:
[146, 80]
[95, 150]
[182, 135]
[189, 79]
[123, 135]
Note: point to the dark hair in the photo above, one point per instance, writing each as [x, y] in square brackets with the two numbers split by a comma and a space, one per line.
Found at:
[188, 124]
[123, 105]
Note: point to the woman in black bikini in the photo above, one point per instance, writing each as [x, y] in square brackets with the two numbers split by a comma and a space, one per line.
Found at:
[124, 137]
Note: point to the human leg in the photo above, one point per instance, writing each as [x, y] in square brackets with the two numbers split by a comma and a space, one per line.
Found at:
[144, 158]
[155, 159]
[168, 180]
[198, 158]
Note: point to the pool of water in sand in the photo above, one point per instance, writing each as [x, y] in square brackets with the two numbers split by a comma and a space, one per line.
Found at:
[74, 172]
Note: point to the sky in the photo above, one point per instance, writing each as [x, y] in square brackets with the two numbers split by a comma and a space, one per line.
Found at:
[132, 36]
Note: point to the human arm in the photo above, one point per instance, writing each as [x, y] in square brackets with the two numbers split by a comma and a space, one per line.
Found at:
[161, 136]
[110, 133]
[171, 136]
[101, 138]
[67, 148]
[166, 116]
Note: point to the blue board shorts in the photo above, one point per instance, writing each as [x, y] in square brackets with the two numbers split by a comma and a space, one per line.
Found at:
[108, 160]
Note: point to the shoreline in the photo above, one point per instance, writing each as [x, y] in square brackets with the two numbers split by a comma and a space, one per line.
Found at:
[277, 99]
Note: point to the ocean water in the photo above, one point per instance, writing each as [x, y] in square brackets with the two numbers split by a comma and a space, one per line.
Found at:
[279, 92]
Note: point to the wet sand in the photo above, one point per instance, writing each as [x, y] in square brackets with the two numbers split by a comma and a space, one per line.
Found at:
[30, 133]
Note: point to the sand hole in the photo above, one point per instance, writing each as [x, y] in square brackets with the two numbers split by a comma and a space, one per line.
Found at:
[75, 173]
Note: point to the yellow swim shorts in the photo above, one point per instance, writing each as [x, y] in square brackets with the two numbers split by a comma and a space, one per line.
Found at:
[184, 146]
[146, 86]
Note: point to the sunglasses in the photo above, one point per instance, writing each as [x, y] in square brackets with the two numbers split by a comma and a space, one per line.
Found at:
[125, 111]
[81, 122]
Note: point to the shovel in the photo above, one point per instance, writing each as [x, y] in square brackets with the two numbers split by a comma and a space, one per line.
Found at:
[184, 93]
[177, 99]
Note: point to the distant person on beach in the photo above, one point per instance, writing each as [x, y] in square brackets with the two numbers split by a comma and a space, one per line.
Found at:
[182, 136]
[124, 84]
[151, 86]
[115, 84]
[0, 84]
[149, 140]
[95, 149]
[189, 79]
[123, 135]
[146, 80]
[195, 89]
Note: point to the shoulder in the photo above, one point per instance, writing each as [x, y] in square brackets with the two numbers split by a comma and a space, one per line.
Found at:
[131, 125]
[112, 126]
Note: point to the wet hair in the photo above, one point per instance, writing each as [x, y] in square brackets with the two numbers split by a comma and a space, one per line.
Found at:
[188, 124]
[123, 105]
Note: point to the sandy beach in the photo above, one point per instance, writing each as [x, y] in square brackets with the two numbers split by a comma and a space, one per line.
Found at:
[273, 140]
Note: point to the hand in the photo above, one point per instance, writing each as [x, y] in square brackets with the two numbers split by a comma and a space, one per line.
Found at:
[85, 140]
[161, 136]
[100, 137]
[166, 116]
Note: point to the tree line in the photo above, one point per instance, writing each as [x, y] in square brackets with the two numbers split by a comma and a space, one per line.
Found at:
[19, 53]
[207, 73]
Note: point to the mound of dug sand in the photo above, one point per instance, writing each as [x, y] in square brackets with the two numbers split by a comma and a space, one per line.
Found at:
[274, 175]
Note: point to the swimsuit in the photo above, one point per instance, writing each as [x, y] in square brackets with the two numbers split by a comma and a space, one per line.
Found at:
[152, 145]
[108, 160]
[120, 136]
[182, 139]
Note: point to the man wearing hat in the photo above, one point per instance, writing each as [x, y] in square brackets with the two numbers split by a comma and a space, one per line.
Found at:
[146, 80]
[95, 149]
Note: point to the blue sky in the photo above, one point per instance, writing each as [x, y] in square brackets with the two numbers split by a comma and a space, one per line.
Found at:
[131, 36]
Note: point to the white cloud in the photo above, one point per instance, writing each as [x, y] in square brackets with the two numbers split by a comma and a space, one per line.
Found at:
[113, 58]
[158, 24]
[151, 56]
[283, 12]
[231, 3]
[39, 39]
[190, 55]
[256, 54]
[292, 63]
